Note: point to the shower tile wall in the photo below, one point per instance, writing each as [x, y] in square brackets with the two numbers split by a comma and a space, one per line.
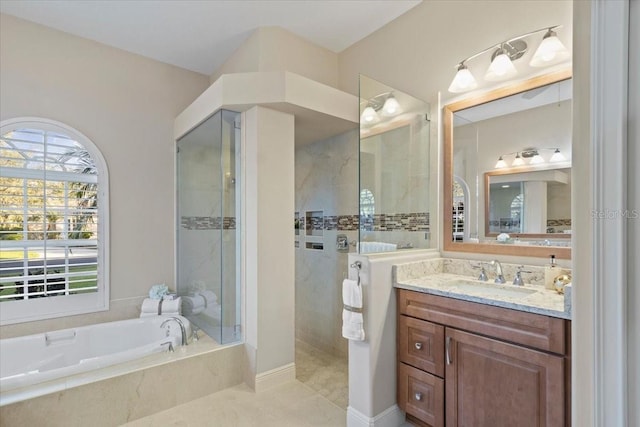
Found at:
[327, 181]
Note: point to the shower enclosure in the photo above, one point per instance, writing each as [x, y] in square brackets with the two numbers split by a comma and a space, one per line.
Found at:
[208, 228]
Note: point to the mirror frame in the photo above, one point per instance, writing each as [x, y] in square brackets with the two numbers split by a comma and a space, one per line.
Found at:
[490, 248]
[513, 171]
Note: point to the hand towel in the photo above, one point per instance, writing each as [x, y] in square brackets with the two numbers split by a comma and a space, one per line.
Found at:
[192, 305]
[352, 320]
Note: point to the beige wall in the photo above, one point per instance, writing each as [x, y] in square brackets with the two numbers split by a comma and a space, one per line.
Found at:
[276, 49]
[126, 105]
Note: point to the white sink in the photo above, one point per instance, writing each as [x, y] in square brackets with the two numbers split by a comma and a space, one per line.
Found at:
[488, 289]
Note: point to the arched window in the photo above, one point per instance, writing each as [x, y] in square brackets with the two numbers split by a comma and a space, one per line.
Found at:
[367, 203]
[53, 222]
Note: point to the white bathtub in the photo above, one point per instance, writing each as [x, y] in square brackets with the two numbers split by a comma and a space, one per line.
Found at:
[37, 358]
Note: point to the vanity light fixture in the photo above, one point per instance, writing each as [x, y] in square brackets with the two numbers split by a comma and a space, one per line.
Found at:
[391, 106]
[463, 81]
[517, 161]
[557, 156]
[550, 51]
[384, 104]
[533, 154]
[501, 67]
[369, 116]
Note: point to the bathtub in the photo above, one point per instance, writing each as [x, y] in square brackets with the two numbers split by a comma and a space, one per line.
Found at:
[37, 358]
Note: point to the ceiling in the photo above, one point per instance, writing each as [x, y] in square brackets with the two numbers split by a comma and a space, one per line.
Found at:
[200, 35]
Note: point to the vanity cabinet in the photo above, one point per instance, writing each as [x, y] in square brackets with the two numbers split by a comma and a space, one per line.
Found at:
[462, 363]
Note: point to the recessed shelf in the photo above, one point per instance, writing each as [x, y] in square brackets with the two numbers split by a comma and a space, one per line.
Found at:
[315, 245]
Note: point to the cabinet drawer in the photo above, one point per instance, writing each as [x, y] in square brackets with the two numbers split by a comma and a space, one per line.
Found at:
[421, 344]
[421, 394]
[529, 329]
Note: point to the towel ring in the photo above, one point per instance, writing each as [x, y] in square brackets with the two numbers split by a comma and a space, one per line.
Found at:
[358, 266]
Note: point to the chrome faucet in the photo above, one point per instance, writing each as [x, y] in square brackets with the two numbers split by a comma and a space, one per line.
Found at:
[518, 281]
[182, 328]
[483, 273]
[499, 274]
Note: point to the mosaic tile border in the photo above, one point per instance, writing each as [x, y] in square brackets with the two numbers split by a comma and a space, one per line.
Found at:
[559, 222]
[208, 223]
[418, 221]
[550, 222]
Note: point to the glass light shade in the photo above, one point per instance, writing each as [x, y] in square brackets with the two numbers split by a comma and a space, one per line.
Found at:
[501, 163]
[391, 107]
[551, 51]
[463, 80]
[518, 161]
[501, 68]
[536, 160]
[557, 157]
[369, 116]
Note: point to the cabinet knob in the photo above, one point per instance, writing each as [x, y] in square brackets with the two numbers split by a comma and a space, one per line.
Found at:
[418, 345]
[418, 396]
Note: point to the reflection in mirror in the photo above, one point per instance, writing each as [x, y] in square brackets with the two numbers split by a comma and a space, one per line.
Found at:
[396, 197]
[508, 168]
[536, 202]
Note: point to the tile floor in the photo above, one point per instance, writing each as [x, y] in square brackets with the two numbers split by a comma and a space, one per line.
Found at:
[317, 398]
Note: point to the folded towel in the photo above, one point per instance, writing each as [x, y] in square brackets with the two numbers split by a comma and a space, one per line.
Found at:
[156, 307]
[352, 320]
[192, 305]
[209, 296]
[369, 247]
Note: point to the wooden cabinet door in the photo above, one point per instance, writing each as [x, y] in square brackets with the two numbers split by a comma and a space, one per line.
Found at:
[490, 383]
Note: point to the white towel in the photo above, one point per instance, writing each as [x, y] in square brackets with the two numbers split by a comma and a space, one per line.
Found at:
[155, 307]
[192, 305]
[209, 296]
[352, 321]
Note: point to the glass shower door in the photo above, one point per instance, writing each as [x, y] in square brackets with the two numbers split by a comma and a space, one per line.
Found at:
[208, 227]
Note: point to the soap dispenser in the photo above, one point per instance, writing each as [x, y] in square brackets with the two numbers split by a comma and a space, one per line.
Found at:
[551, 271]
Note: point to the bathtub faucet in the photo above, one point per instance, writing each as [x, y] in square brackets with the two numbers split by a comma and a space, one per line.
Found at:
[182, 328]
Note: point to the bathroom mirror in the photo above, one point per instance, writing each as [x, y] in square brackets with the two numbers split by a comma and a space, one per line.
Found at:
[507, 169]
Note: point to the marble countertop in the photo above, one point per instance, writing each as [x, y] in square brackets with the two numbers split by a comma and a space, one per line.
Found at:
[530, 298]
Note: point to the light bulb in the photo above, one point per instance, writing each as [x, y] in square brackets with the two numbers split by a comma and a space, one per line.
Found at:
[463, 80]
[557, 156]
[551, 51]
[501, 67]
[391, 107]
[517, 161]
[536, 159]
[369, 116]
[501, 163]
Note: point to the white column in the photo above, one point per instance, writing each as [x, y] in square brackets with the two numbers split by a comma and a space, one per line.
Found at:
[535, 206]
[599, 201]
[269, 251]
